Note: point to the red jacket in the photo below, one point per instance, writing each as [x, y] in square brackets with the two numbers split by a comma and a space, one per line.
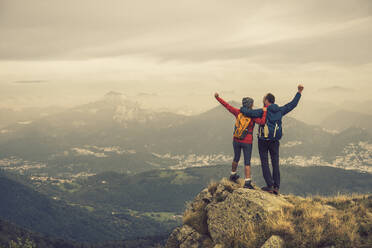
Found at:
[261, 121]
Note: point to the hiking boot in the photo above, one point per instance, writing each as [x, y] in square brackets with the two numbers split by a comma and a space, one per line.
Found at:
[276, 190]
[248, 185]
[268, 189]
[234, 178]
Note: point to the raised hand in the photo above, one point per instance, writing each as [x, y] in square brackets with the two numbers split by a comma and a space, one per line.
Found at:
[216, 95]
[300, 88]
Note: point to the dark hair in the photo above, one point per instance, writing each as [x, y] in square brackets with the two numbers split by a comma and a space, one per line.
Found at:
[270, 97]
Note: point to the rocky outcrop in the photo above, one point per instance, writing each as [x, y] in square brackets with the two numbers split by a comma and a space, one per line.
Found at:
[223, 212]
[239, 211]
[225, 215]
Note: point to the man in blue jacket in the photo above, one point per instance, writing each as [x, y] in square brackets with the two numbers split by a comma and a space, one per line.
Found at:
[269, 136]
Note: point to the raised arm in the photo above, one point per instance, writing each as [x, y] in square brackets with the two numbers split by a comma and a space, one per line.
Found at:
[253, 113]
[291, 105]
[261, 121]
[230, 108]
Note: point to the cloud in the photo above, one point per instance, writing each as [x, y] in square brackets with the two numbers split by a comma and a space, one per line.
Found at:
[30, 82]
[145, 94]
[188, 30]
[24, 122]
[336, 89]
[174, 48]
[86, 152]
[348, 43]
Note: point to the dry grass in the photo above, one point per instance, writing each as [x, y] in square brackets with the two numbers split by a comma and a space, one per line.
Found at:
[196, 217]
[312, 223]
[212, 187]
[340, 221]
[309, 224]
[250, 236]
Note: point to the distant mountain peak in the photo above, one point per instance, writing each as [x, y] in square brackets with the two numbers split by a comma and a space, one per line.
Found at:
[113, 93]
[115, 98]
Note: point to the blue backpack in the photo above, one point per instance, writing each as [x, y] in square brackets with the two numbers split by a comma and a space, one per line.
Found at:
[272, 130]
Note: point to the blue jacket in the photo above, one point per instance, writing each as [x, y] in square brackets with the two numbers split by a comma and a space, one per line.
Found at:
[273, 118]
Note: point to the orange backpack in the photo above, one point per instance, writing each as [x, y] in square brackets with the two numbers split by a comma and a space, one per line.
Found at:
[241, 126]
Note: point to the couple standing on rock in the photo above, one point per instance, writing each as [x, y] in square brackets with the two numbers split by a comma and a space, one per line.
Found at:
[269, 119]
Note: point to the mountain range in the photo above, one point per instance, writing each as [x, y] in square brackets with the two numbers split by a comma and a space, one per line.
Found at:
[116, 134]
[343, 119]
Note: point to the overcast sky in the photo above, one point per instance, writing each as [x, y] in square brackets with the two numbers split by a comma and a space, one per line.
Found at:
[179, 52]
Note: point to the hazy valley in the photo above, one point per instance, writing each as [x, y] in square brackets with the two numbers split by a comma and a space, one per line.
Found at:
[126, 172]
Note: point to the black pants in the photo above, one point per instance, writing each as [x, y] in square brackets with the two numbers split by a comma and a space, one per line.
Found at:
[265, 147]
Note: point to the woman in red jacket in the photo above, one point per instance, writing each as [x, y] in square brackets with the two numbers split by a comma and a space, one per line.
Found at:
[244, 144]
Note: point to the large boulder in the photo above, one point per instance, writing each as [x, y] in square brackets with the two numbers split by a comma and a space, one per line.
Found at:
[222, 212]
[240, 210]
[225, 215]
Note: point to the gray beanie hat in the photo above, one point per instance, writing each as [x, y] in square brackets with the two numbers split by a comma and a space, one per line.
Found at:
[247, 102]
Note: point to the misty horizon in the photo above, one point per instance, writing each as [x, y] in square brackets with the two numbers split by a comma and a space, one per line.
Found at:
[176, 55]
